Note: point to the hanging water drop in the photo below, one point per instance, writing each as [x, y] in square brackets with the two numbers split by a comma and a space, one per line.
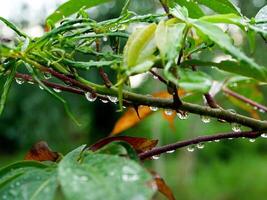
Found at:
[264, 135]
[113, 99]
[113, 29]
[168, 112]
[205, 119]
[57, 90]
[90, 96]
[261, 111]
[155, 157]
[236, 127]
[105, 38]
[30, 82]
[191, 148]
[182, 116]
[41, 87]
[200, 146]
[171, 151]
[104, 100]
[216, 140]
[155, 77]
[19, 81]
[47, 75]
[252, 140]
[152, 108]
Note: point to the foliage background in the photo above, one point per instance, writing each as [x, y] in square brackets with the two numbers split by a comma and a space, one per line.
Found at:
[233, 169]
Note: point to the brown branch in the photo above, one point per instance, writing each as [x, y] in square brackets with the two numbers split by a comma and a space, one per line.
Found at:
[159, 77]
[200, 139]
[211, 101]
[244, 99]
[101, 70]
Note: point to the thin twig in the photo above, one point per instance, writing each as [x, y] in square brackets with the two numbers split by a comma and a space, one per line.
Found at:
[244, 99]
[211, 101]
[200, 139]
[159, 77]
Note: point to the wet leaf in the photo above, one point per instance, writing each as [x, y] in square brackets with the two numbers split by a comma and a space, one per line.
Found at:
[41, 152]
[139, 144]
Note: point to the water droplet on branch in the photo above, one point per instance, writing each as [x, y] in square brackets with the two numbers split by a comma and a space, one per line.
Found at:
[168, 112]
[113, 99]
[205, 119]
[19, 81]
[155, 157]
[236, 127]
[90, 96]
[264, 135]
[171, 151]
[200, 146]
[57, 90]
[252, 140]
[191, 148]
[152, 108]
[182, 116]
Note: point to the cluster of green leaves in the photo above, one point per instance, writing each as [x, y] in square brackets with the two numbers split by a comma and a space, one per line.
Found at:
[109, 173]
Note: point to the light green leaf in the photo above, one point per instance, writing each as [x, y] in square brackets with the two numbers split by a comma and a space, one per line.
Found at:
[101, 176]
[141, 68]
[140, 46]
[13, 27]
[169, 37]
[194, 81]
[28, 180]
[71, 7]
[220, 38]
[87, 65]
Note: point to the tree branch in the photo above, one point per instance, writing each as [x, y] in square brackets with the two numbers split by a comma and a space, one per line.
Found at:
[244, 99]
[200, 139]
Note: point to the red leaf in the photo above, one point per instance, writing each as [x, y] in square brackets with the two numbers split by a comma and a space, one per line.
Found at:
[41, 152]
[139, 144]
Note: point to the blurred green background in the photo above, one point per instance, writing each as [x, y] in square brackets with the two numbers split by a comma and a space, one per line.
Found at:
[232, 169]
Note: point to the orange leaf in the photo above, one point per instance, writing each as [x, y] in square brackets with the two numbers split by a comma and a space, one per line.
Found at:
[130, 118]
[170, 119]
[41, 152]
[162, 187]
[139, 144]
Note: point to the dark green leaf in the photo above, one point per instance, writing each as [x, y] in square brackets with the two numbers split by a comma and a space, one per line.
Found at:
[193, 8]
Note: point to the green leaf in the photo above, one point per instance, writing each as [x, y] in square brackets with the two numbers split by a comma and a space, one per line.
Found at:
[13, 27]
[261, 20]
[220, 6]
[220, 38]
[28, 180]
[194, 80]
[101, 176]
[71, 7]
[169, 37]
[87, 65]
[193, 8]
[6, 87]
[236, 67]
[140, 46]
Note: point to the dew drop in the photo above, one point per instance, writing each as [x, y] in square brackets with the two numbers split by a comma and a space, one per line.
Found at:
[205, 119]
[168, 112]
[156, 157]
[113, 99]
[90, 96]
[182, 116]
[216, 140]
[264, 135]
[236, 127]
[19, 81]
[104, 100]
[155, 77]
[191, 148]
[105, 38]
[30, 82]
[122, 27]
[47, 75]
[152, 108]
[261, 111]
[57, 90]
[230, 138]
[252, 140]
[41, 87]
[113, 29]
[200, 146]
[171, 151]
